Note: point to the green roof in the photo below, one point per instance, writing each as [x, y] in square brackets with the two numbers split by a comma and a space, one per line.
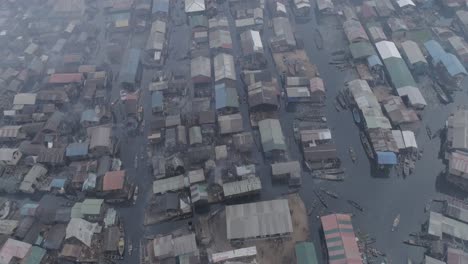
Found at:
[361, 50]
[271, 135]
[34, 256]
[91, 206]
[305, 253]
[76, 211]
[399, 73]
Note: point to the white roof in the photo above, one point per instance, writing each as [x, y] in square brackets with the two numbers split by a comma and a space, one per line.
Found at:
[194, 6]
[258, 45]
[409, 138]
[170, 184]
[224, 67]
[387, 49]
[398, 139]
[81, 230]
[403, 3]
[24, 99]
[232, 254]
[414, 95]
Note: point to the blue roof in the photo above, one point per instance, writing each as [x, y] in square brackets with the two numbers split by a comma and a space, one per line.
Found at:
[435, 50]
[28, 209]
[453, 65]
[157, 99]
[160, 6]
[374, 60]
[225, 96]
[58, 183]
[129, 68]
[89, 115]
[77, 149]
[386, 158]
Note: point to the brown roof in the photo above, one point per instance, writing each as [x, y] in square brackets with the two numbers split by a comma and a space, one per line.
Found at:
[70, 250]
[113, 180]
[63, 78]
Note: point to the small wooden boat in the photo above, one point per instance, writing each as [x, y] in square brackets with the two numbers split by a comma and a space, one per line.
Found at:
[337, 108]
[121, 246]
[333, 171]
[321, 199]
[440, 93]
[130, 248]
[135, 194]
[366, 144]
[352, 154]
[340, 99]
[356, 205]
[356, 116]
[328, 177]
[396, 222]
[429, 132]
[330, 193]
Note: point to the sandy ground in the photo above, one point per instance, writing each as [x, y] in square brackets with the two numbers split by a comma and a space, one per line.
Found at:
[212, 232]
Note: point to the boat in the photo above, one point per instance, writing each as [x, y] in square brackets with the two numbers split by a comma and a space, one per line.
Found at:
[318, 39]
[367, 146]
[321, 199]
[328, 177]
[135, 194]
[406, 167]
[121, 246]
[352, 154]
[413, 242]
[330, 193]
[130, 248]
[337, 107]
[396, 222]
[356, 116]
[340, 99]
[356, 205]
[333, 171]
[429, 132]
[440, 93]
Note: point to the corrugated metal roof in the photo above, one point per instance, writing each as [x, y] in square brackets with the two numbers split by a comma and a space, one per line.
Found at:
[413, 52]
[192, 6]
[354, 31]
[440, 225]
[195, 135]
[91, 206]
[34, 256]
[282, 28]
[129, 68]
[10, 131]
[414, 95]
[399, 73]
[456, 256]
[230, 124]
[271, 135]
[453, 65]
[81, 230]
[65, 78]
[157, 99]
[258, 219]
[430, 260]
[224, 67]
[113, 180]
[410, 139]
[340, 239]
[435, 50]
[13, 249]
[226, 96]
[386, 158]
[249, 185]
[387, 49]
[160, 6]
[398, 139]
[25, 99]
[361, 50]
[200, 66]
[251, 42]
[170, 184]
[77, 149]
[305, 253]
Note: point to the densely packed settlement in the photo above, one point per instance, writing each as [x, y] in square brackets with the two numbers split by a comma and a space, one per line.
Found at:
[233, 131]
